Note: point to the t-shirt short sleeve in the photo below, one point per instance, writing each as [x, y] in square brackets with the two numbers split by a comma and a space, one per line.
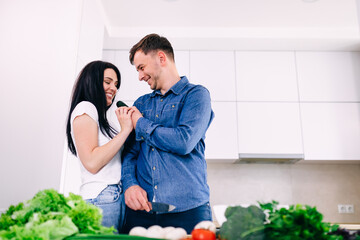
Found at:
[85, 108]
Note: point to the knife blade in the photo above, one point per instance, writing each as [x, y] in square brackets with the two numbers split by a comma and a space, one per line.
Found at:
[158, 207]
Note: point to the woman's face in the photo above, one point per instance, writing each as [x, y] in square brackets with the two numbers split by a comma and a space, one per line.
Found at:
[110, 82]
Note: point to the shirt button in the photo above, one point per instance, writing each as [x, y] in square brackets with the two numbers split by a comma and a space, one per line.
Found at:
[154, 168]
[161, 100]
[155, 187]
[142, 138]
[153, 149]
[157, 115]
[173, 106]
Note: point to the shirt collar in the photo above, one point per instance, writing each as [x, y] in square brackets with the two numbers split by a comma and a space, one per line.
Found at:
[176, 89]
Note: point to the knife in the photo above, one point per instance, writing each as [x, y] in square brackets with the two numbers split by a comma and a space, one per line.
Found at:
[158, 207]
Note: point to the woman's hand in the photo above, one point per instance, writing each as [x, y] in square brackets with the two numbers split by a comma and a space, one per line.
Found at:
[123, 115]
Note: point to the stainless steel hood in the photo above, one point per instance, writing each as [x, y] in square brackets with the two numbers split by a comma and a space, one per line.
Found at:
[269, 158]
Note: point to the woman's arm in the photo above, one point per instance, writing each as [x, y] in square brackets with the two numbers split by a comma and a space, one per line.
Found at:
[91, 155]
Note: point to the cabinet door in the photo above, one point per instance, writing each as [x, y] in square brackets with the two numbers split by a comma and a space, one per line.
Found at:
[109, 56]
[266, 76]
[215, 71]
[182, 62]
[331, 131]
[221, 137]
[329, 76]
[272, 128]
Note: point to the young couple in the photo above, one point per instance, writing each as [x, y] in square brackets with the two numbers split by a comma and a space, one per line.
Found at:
[157, 156]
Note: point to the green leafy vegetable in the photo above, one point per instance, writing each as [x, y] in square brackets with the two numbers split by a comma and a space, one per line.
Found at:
[50, 215]
[298, 222]
[243, 223]
[268, 222]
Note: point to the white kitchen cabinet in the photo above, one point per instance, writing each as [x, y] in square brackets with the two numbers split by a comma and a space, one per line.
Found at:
[266, 76]
[328, 76]
[221, 137]
[109, 56]
[331, 131]
[269, 128]
[216, 71]
[182, 62]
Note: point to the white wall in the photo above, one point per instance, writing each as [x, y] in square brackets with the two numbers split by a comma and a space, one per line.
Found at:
[90, 49]
[315, 184]
[39, 48]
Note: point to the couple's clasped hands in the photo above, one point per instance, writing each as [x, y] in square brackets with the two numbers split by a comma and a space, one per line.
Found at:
[128, 117]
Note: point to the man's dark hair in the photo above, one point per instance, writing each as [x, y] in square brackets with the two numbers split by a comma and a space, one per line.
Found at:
[152, 42]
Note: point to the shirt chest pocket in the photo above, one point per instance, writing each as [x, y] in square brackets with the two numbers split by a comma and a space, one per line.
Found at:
[171, 114]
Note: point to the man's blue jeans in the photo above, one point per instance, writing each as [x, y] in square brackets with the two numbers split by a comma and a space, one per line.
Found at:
[187, 219]
[111, 201]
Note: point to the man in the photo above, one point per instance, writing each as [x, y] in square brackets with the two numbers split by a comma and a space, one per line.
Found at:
[163, 160]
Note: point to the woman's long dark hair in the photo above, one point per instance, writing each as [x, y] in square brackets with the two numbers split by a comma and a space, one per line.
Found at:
[89, 87]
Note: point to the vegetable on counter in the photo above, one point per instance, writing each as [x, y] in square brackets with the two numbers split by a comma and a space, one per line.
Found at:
[51, 215]
[298, 222]
[156, 231]
[204, 230]
[202, 234]
[208, 225]
[268, 222]
[243, 223]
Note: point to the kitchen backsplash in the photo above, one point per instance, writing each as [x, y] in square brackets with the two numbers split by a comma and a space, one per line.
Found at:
[321, 185]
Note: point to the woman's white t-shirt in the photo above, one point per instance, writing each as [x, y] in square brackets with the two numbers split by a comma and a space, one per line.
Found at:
[93, 184]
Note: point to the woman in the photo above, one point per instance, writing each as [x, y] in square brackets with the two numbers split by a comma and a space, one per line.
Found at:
[95, 142]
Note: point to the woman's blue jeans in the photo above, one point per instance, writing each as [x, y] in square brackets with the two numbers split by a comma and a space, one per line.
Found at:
[111, 201]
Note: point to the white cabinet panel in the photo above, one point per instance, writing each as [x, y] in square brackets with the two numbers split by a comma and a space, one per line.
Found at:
[215, 71]
[272, 128]
[331, 131]
[131, 87]
[329, 76]
[182, 62]
[221, 137]
[266, 76]
[108, 56]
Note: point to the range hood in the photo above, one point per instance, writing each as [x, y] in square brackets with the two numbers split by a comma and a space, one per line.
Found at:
[269, 158]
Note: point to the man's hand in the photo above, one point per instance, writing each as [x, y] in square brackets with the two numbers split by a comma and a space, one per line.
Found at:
[136, 198]
[135, 116]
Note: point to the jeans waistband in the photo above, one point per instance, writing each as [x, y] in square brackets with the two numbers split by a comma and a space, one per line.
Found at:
[116, 187]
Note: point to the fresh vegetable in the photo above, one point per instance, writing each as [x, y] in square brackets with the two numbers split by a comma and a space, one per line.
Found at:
[156, 231]
[243, 224]
[51, 215]
[346, 234]
[202, 234]
[138, 231]
[208, 225]
[297, 223]
[177, 233]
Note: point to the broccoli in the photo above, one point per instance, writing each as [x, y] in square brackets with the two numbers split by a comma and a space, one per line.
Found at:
[243, 224]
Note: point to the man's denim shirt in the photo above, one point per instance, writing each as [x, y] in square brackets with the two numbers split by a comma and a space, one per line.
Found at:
[165, 154]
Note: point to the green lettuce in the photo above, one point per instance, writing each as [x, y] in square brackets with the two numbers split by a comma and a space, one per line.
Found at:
[50, 215]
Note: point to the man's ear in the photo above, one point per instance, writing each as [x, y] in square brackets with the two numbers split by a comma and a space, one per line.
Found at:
[162, 57]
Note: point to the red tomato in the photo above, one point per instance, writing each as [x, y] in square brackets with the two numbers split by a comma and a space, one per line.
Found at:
[202, 234]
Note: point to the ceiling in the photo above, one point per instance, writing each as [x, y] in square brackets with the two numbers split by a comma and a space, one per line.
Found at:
[235, 24]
